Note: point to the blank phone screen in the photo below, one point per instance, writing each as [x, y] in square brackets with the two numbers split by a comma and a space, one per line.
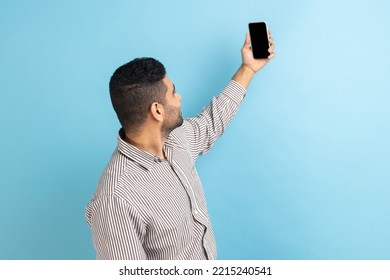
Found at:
[259, 39]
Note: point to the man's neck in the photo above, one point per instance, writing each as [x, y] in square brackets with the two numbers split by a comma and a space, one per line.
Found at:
[148, 142]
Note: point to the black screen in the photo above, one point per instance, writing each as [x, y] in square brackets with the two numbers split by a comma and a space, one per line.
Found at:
[259, 39]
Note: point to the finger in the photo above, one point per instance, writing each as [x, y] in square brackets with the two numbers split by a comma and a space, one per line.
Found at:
[271, 56]
[271, 48]
[269, 33]
[271, 41]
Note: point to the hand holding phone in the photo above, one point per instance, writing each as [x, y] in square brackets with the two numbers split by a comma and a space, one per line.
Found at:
[259, 39]
[257, 51]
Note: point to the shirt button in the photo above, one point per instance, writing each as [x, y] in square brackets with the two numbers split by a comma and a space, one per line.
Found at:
[196, 212]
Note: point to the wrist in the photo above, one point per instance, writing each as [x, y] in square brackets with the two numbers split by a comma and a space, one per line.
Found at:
[247, 68]
[244, 75]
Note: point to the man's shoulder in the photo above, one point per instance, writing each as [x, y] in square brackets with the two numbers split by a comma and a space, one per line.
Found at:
[113, 177]
[179, 136]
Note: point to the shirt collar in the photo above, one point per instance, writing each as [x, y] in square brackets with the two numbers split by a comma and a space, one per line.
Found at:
[139, 156]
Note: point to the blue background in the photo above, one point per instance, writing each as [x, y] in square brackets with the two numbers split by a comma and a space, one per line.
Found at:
[302, 172]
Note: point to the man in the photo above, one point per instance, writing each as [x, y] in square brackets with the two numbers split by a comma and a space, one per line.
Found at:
[149, 202]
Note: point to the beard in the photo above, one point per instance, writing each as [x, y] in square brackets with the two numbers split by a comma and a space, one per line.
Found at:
[174, 120]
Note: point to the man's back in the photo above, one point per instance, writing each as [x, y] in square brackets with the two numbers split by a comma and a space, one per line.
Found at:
[145, 201]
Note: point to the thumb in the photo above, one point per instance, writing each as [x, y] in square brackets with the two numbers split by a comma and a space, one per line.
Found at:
[247, 40]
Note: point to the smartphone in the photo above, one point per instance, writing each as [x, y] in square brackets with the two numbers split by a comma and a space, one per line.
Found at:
[259, 39]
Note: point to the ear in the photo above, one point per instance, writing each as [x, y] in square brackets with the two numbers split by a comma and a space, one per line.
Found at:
[157, 111]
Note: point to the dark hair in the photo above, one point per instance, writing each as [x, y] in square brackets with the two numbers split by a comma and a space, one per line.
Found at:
[134, 87]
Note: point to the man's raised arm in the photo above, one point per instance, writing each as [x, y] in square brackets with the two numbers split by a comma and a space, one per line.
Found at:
[204, 129]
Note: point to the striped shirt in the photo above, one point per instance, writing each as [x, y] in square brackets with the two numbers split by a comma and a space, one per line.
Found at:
[146, 207]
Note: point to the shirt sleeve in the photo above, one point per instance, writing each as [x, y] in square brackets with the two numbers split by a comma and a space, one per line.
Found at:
[204, 129]
[117, 230]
